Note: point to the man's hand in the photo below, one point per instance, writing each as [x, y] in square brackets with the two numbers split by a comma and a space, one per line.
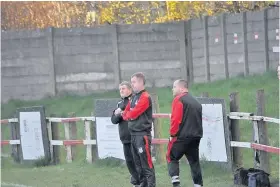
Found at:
[118, 111]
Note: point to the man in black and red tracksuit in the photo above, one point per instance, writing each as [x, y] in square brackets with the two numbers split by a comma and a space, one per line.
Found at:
[139, 114]
[125, 137]
[185, 133]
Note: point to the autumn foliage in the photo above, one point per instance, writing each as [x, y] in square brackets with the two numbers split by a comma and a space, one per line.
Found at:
[33, 15]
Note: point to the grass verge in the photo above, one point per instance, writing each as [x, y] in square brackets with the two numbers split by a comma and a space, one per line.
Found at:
[81, 174]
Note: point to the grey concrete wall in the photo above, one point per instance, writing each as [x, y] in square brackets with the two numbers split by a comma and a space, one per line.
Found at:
[25, 65]
[199, 72]
[48, 62]
[236, 54]
[83, 60]
[255, 40]
[216, 54]
[235, 49]
[152, 50]
[272, 27]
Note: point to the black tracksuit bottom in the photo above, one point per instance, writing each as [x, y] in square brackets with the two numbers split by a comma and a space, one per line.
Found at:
[141, 150]
[176, 150]
[130, 164]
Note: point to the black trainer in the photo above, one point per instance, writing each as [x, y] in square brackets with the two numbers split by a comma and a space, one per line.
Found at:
[176, 184]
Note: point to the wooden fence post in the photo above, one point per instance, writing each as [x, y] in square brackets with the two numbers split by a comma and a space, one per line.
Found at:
[159, 149]
[68, 147]
[256, 139]
[73, 135]
[89, 136]
[15, 135]
[55, 136]
[235, 131]
[49, 127]
[262, 128]
[94, 147]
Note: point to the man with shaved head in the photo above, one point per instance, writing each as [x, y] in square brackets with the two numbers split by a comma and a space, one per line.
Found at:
[185, 133]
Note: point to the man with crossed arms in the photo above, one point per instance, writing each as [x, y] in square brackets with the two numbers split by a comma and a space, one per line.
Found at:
[139, 115]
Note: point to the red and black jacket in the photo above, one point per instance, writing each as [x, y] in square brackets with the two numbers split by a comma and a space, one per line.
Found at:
[186, 117]
[139, 114]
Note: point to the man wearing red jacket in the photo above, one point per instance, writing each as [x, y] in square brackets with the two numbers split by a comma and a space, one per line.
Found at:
[139, 114]
[185, 133]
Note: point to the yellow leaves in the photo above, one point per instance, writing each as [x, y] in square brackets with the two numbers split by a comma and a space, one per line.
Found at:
[31, 15]
[90, 17]
[130, 3]
[229, 2]
[210, 12]
[106, 16]
[161, 19]
[124, 12]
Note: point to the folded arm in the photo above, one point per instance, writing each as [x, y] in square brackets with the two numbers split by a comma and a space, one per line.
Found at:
[116, 119]
[140, 108]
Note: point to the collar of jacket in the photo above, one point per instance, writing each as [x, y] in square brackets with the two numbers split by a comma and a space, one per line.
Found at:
[128, 97]
[181, 94]
[137, 93]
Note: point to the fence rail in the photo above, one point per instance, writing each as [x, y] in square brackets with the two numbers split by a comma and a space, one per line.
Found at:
[75, 119]
[259, 143]
[256, 146]
[252, 117]
[232, 115]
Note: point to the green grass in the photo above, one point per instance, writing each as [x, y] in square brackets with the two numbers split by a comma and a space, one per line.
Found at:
[81, 174]
[97, 175]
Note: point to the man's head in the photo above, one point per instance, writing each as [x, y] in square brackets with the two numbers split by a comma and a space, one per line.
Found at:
[138, 82]
[125, 89]
[180, 86]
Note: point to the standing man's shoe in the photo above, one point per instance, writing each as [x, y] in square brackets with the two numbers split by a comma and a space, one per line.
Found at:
[176, 185]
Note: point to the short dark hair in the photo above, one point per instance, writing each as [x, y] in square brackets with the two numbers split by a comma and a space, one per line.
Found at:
[183, 83]
[127, 84]
[140, 75]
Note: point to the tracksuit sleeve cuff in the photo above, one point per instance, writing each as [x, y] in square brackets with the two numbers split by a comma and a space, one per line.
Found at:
[124, 116]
